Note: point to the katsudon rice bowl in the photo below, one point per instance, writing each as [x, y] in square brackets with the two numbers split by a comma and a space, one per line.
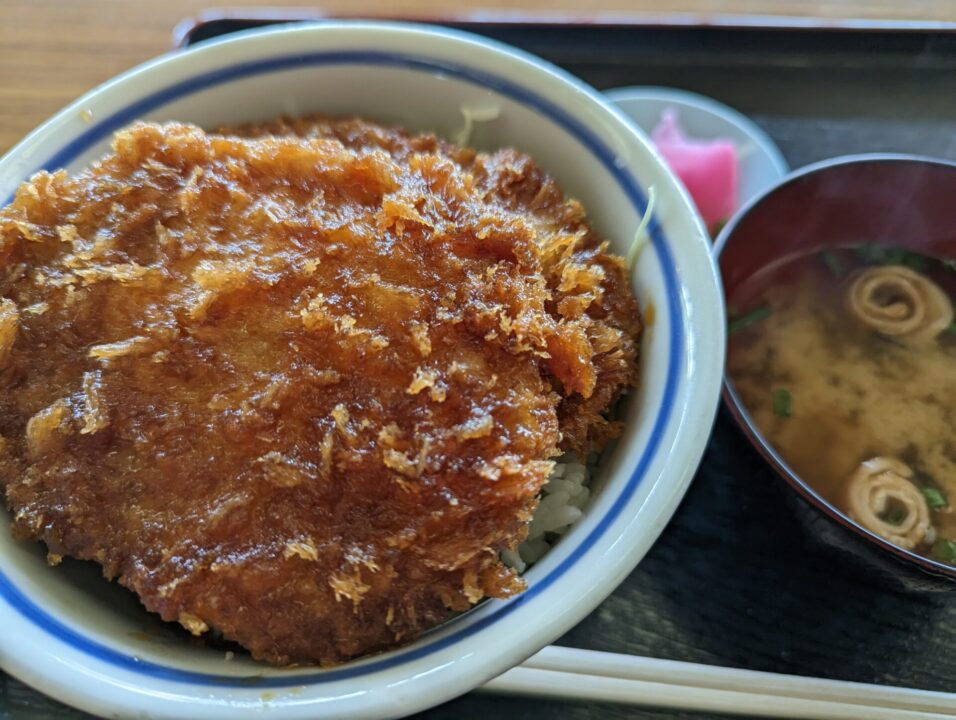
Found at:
[371, 357]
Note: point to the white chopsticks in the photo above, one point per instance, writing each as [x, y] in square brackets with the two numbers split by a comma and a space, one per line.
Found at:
[600, 676]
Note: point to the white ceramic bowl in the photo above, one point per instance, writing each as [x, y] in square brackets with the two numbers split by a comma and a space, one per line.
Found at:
[72, 635]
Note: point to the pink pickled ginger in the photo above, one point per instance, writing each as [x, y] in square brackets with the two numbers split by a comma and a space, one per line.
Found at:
[708, 168]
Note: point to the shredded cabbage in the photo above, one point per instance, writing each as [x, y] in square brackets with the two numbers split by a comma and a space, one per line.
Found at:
[640, 236]
[473, 115]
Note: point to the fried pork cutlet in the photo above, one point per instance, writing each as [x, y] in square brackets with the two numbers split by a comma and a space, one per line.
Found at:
[300, 383]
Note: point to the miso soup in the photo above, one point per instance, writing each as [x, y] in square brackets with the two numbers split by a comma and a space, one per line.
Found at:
[846, 361]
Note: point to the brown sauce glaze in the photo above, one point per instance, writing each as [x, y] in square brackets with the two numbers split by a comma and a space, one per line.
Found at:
[300, 383]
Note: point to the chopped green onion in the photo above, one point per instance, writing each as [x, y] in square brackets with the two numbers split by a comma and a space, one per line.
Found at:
[882, 255]
[952, 328]
[935, 498]
[886, 342]
[896, 516]
[945, 551]
[914, 261]
[893, 256]
[879, 254]
[717, 227]
[751, 318]
[782, 403]
[950, 264]
[833, 262]
[870, 253]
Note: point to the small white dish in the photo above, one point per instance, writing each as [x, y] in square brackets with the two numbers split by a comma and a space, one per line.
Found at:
[66, 632]
[761, 162]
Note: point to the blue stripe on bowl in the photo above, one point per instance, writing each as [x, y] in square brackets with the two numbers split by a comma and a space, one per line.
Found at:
[136, 110]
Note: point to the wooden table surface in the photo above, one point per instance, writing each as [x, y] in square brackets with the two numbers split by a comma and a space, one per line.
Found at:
[733, 580]
[51, 51]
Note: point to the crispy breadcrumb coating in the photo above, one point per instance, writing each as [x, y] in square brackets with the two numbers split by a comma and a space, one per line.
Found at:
[301, 383]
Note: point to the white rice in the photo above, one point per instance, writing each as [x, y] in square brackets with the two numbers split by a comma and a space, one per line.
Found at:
[563, 499]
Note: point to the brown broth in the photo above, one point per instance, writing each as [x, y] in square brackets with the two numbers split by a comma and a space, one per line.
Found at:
[853, 394]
